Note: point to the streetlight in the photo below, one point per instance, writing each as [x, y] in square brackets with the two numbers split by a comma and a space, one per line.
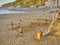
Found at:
[54, 2]
[57, 3]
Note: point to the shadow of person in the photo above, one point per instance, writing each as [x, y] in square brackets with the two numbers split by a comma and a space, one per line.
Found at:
[52, 33]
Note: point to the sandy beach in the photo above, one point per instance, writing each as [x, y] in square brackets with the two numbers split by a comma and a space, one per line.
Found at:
[10, 36]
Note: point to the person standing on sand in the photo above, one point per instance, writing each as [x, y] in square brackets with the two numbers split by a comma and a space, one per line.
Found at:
[21, 31]
[12, 25]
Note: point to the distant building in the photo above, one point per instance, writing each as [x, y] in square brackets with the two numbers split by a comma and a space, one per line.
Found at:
[58, 2]
[52, 3]
[18, 6]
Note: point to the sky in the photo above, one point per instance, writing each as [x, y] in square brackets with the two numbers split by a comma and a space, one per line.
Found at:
[5, 1]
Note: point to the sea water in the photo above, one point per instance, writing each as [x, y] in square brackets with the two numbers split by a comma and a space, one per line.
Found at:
[6, 11]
